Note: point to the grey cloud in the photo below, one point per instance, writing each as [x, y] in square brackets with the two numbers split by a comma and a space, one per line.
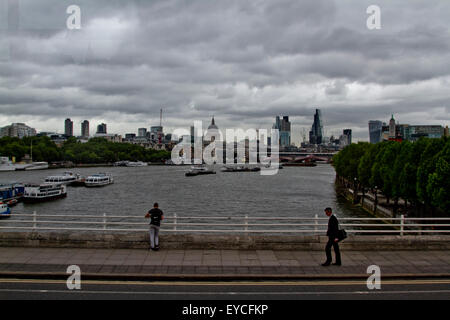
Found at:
[198, 58]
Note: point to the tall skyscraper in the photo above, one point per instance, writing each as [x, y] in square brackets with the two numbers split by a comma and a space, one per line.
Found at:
[101, 128]
[375, 131]
[316, 133]
[68, 127]
[348, 135]
[284, 128]
[85, 129]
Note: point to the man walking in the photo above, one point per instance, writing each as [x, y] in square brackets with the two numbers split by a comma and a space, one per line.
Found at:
[333, 234]
[155, 215]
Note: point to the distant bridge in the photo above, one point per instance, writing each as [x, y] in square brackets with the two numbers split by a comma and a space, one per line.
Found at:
[305, 156]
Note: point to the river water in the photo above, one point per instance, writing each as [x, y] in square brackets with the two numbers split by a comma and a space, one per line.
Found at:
[293, 192]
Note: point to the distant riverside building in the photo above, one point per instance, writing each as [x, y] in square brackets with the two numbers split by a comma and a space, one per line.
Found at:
[284, 127]
[375, 131]
[346, 138]
[400, 132]
[85, 129]
[18, 130]
[316, 133]
[68, 127]
[101, 128]
[156, 133]
[142, 132]
[110, 137]
[130, 136]
[392, 128]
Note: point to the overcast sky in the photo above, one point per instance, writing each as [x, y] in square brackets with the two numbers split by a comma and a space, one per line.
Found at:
[242, 61]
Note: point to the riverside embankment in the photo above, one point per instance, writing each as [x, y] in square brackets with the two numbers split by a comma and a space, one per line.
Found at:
[140, 240]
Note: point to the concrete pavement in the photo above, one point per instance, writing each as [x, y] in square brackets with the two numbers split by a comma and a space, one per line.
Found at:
[233, 264]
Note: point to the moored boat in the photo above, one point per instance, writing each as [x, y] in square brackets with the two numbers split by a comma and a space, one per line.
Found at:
[10, 192]
[199, 170]
[136, 164]
[98, 180]
[37, 166]
[6, 164]
[44, 192]
[5, 211]
[65, 178]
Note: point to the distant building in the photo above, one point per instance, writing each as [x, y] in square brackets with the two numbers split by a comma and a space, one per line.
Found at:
[18, 130]
[392, 128]
[109, 137]
[85, 129]
[142, 132]
[156, 134]
[346, 138]
[101, 128]
[284, 128]
[130, 136]
[375, 131]
[316, 133]
[446, 132]
[68, 127]
[399, 132]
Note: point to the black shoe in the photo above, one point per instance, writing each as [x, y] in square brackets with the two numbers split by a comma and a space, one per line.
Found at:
[326, 264]
[337, 264]
[153, 249]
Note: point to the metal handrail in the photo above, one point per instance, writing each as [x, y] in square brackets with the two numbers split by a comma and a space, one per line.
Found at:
[401, 225]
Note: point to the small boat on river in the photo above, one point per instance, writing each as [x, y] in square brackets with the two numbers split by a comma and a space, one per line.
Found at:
[199, 170]
[98, 180]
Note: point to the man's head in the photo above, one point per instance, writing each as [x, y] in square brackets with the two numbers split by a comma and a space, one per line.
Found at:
[328, 211]
[155, 205]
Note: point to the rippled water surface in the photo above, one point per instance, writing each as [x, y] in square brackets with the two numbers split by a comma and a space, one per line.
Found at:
[293, 192]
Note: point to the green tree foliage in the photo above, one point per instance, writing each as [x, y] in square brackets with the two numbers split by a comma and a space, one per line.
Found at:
[418, 172]
[96, 150]
[44, 149]
[99, 150]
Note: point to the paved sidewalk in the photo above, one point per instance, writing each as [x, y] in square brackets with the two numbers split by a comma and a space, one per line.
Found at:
[220, 263]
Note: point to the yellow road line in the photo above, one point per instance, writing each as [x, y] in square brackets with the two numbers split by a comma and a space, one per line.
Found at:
[233, 283]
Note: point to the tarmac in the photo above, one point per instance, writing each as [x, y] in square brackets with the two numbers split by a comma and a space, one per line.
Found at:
[169, 264]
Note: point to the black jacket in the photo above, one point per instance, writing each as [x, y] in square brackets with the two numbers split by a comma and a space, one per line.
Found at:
[333, 227]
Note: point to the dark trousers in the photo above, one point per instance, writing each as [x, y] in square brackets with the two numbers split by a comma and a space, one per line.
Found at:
[335, 245]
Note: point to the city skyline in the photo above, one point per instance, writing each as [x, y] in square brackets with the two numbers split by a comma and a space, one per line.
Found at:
[258, 61]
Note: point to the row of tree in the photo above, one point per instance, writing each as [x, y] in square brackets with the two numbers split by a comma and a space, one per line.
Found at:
[96, 150]
[418, 172]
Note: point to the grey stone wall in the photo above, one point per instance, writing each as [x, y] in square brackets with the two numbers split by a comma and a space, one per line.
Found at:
[204, 241]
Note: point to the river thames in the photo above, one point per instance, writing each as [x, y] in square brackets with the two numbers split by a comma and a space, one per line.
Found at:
[293, 192]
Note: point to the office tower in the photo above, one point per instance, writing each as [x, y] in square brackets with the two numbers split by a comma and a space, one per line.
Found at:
[68, 127]
[101, 128]
[156, 133]
[142, 132]
[316, 133]
[85, 129]
[348, 135]
[375, 131]
[284, 128]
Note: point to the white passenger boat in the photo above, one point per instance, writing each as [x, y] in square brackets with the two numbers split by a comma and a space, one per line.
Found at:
[44, 192]
[6, 164]
[98, 180]
[136, 164]
[65, 178]
[37, 166]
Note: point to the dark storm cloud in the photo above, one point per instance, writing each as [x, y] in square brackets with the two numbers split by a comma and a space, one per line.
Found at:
[242, 61]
